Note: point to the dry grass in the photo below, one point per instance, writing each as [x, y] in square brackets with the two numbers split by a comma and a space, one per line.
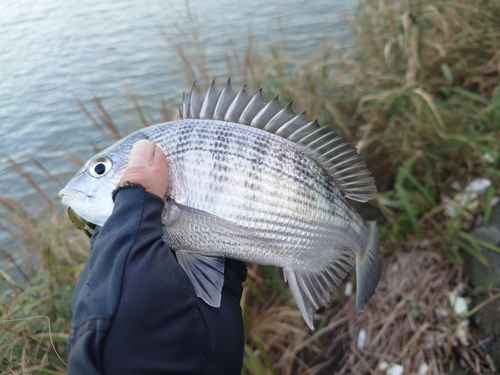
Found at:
[36, 284]
[410, 321]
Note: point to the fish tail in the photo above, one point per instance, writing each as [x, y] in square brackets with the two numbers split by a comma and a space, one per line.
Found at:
[368, 267]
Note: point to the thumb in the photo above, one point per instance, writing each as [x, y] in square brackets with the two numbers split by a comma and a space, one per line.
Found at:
[147, 166]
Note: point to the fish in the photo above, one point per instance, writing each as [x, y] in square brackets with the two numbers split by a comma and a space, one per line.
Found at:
[253, 181]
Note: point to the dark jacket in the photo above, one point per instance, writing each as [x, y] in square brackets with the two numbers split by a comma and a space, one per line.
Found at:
[135, 311]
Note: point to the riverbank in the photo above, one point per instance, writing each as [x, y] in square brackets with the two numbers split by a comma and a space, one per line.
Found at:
[418, 94]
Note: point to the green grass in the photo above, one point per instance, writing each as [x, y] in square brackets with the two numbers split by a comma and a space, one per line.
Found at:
[417, 92]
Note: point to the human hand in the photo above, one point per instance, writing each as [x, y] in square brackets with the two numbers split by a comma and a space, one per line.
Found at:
[147, 166]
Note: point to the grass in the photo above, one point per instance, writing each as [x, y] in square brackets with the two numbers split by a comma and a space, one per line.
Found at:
[35, 304]
[418, 92]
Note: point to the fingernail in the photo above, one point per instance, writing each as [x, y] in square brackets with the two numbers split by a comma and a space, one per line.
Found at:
[142, 153]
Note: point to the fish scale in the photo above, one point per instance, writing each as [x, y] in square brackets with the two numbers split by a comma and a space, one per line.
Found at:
[260, 190]
[251, 181]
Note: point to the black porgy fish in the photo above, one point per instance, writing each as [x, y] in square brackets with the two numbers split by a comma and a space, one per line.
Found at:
[251, 181]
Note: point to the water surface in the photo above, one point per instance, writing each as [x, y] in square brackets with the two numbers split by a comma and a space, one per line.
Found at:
[53, 52]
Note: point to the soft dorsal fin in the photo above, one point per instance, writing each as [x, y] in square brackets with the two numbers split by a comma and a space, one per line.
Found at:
[330, 148]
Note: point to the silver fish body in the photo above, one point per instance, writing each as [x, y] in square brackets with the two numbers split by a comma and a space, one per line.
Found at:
[239, 190]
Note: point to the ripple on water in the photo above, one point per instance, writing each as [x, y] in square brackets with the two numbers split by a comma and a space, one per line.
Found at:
[52, 52]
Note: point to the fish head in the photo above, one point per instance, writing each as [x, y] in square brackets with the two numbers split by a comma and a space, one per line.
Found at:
[89, 192]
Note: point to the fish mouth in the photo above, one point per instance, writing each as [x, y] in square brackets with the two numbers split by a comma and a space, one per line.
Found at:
[71, 194]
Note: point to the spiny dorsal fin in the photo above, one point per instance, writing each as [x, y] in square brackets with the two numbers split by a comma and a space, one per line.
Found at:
[224, 101]
[330, 148]
[209, 102]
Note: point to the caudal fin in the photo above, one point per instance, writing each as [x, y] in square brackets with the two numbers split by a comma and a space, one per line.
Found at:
[368, 267]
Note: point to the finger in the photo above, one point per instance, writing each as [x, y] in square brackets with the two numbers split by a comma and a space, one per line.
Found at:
[147, 166]
[142, 153]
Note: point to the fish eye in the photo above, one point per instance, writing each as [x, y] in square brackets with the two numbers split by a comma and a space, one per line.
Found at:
[100, 166]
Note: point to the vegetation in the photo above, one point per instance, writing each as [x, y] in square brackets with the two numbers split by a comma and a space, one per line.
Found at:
[418, 93]
[35, 311]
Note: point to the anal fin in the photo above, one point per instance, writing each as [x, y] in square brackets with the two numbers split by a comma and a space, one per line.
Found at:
[312, 289]
[206, 273]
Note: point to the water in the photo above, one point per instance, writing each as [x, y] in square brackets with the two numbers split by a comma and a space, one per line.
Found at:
[52, 52]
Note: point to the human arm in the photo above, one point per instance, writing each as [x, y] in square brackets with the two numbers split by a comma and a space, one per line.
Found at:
[135, 310]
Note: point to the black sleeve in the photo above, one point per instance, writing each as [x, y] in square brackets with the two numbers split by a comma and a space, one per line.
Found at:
[135, 311]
